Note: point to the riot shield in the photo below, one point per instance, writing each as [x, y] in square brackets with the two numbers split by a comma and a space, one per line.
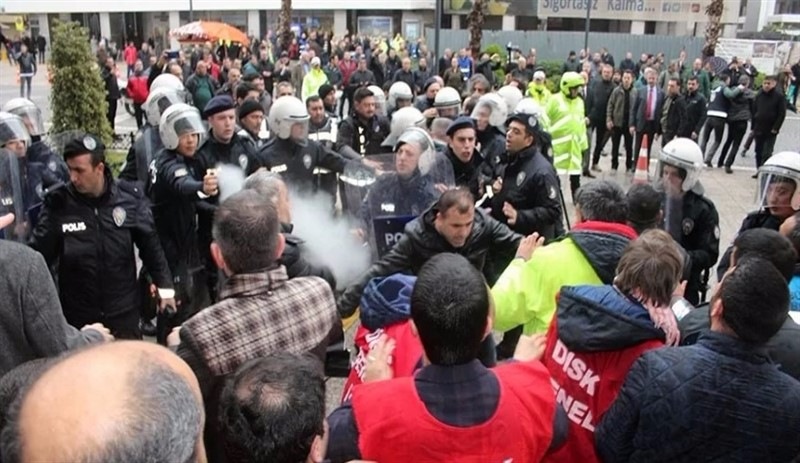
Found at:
[15, 198]
[397, 193]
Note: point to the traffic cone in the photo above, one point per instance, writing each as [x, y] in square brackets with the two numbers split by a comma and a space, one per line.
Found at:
[641, 175]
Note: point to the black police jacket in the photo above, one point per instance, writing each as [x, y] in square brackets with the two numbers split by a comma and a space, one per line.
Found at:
[755, 219]
[699, 236]
[295, 261]
[473, 174]
[296, 163]
[40, 153]
[530, 185]
[421, 241]
[92, 240]
[141, 154]
[237, 152]
[175, 192]
[493, 143]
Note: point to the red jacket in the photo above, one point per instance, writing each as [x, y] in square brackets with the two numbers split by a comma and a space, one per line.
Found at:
[603, 333]
[137, 89]
[130, 54]
[394, 425]
[405, 358]
[347, 68]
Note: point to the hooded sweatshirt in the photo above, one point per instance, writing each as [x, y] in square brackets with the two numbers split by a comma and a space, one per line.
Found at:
[596, 335]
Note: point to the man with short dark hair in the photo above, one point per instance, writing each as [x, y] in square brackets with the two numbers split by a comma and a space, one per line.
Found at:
[721, 399]
[273, 409]
[151, 409]
[469, 167]
[89, 228]
[362, 133]
[453, 224]
[694, 109]
[769, 112]
[525, 294]
[673, 113]
[260, 310]
[512, 413]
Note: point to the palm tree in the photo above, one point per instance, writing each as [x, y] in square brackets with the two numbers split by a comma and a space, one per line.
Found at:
[285, 25]
[714, 27]
[475, 24]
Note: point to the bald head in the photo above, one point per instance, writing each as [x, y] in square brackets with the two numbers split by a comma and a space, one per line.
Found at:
[125, 401]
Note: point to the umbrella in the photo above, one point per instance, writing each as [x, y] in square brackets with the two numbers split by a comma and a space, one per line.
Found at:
[201, 31]
[718, 64]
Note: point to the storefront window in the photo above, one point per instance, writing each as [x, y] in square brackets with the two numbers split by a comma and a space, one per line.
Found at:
[373, 26]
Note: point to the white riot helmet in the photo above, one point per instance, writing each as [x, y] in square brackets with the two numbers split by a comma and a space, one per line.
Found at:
[177, 120]
[448, 102]
[512, 96]
[419, 138]
[402, 119]
[779, 181]
[287, 112]
[492, 108]
[684, 154]
[532, 107]
[399, 91]
[167, 81]
[158, 101]
[380, 99]
[12, 127]
[29, 112]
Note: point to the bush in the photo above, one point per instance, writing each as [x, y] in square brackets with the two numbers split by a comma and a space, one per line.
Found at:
[78, 95]
[551, 68]
[758, 80]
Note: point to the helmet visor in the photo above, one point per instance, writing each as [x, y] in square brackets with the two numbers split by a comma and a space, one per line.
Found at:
[778, 191]
[298, 130]
[32, 116]
[13, 128]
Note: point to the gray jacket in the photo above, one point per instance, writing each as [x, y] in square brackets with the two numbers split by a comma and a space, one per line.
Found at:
[32, 324]
[615, 110]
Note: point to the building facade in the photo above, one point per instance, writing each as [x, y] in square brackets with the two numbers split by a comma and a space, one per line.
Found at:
[782, 15]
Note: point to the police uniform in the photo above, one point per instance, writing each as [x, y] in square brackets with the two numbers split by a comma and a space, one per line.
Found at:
[175, 192]
[92, 241]
[141, 154]
[297, 163]
[40, 153]
[325, 135]
[699, 236]
[755, 219]
[492, 142]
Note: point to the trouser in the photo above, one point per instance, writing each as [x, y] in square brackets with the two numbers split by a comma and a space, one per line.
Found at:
[506, 348]
[714, 126]
[138, 114]
[347, 96]
[191, 294]
[765, 144]
[794, 97]
[601, 137]
[41, 57]
[736, 131]
[25, 81]
[650, 129]
[748, 142]
[616, 134]
[112, 112]
[574, 184]
[124, 325]
[666, 138]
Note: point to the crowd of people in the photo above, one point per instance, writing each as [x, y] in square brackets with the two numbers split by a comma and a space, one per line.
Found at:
[614, 348]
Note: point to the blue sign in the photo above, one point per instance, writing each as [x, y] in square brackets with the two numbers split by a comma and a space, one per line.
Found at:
[388, 231]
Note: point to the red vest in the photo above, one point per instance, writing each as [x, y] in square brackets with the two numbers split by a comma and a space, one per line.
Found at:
[402, 430]
[405, 357]
[586, 384]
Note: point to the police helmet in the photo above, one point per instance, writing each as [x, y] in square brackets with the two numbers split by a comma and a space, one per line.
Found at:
[421, 139]
[447, 97]
[402, 119]
[512, 96]
[380, 99]
[684, 154]
[781, 168]
[167, 81]
[493, 107]
[158, 101]
[29, 112]
[532, 107]
[570, 80]
[286, 112]
[12, 127]
[399, 91]
[177, 120]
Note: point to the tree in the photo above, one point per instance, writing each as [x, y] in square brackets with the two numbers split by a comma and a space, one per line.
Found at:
[285, 25]
[78, 94]
[475, 24]
[714, 12]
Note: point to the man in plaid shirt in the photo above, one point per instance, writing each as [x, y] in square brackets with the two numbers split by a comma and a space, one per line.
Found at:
[261, 311]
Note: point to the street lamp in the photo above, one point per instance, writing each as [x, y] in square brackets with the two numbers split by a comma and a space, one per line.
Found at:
[588, 20]
[191, 11]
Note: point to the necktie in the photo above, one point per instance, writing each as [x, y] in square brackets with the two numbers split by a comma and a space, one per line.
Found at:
[649, 112]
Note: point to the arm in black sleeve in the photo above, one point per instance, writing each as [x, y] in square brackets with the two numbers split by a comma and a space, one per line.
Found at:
[331, 160]
[702, 120]
[155, 71]
[343, 441]
[504, 240]
[545, 187]
[46, 237]
[397, 260]
[708, 250]
[146, 239]
[344, 137]
[178, 180]
[634, 108]
[560, 428]
[298, 266]
[129, 169]
[781, 115]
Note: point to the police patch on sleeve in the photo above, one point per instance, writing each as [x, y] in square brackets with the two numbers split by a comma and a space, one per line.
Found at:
[52, 166]
[520, 178]
[552, 193]
[182, 172]
[716, 232]
[307, 161]
[243, 161]
[118, 214]
[687, 225]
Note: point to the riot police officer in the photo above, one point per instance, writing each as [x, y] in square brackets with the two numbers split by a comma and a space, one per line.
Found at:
[175, 193]
[402, 119]
[447, 102]
[147, 142]
[689, 216]
[38, 151]
[490, 116]
[362, 133]
[89, 227]
[400, 96]
[290, 152]
[778, 198]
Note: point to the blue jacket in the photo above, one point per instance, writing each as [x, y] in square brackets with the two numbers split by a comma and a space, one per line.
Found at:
[794, 290]
[386, 301]
[719, 400]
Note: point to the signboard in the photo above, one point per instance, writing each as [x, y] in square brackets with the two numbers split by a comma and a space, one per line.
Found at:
[767, 56]
[630, 10]
[388, 231]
